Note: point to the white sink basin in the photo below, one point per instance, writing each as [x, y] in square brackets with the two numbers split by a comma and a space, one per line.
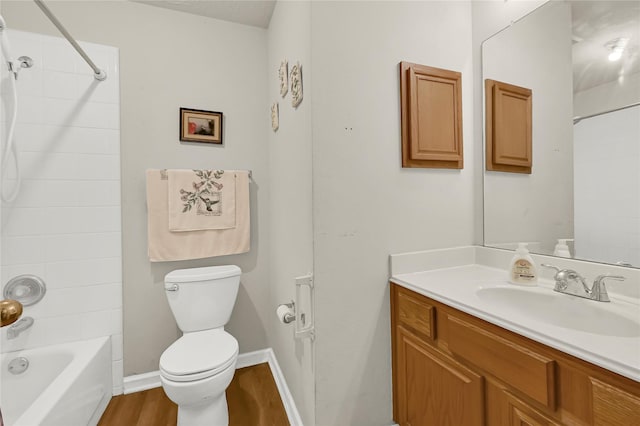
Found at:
[563, 310]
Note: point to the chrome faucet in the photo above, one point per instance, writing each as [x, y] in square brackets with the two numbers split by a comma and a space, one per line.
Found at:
[18, 327]
[564, 278]
[599, 291]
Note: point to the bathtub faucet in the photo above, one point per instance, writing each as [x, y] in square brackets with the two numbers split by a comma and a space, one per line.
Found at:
[18, 327]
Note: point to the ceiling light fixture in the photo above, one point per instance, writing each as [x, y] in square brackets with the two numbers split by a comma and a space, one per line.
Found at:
[616, 47]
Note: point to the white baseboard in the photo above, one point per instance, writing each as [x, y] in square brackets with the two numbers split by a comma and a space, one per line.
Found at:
[285, 395]
[118, 390]
[146, 381]
[253, 358]
[142, 382]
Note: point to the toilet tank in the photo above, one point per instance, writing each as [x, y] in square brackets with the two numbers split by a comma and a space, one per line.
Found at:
[202, 298]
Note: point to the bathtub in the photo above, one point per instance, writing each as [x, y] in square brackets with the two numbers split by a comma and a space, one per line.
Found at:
[65, 385]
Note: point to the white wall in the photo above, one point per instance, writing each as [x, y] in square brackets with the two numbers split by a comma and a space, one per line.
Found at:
[536, 54]
[607, 189]
[365, 205]
[168, 60]
[605, 97]
[64, 226]
[290, 189]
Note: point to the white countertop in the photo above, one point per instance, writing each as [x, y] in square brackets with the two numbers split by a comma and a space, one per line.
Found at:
[457, 287]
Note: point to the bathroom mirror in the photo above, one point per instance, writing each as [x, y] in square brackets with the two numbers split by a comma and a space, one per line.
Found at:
[581, 59]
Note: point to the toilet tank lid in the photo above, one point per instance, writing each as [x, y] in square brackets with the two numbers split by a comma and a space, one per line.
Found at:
[202, 274]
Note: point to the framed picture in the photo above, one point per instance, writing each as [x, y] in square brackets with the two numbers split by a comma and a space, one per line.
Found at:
[200, 126]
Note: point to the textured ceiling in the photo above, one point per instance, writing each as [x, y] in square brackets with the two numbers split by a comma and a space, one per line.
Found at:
[249, 12]
[595, 23]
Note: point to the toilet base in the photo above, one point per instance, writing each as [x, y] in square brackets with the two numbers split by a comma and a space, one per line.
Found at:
[209, 413]
[201, 401]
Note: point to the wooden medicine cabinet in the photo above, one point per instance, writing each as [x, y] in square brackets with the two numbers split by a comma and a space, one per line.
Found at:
[431, 110]
[508, 127]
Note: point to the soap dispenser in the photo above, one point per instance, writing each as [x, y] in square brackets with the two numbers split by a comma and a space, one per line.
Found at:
[562, 249]
[522, 270]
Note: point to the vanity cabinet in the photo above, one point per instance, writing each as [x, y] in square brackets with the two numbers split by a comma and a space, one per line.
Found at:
[451, 368]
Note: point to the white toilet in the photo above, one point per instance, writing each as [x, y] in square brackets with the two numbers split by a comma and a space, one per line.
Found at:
[198, 367]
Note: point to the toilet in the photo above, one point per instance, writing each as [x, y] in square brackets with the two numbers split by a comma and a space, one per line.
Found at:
[197, 368]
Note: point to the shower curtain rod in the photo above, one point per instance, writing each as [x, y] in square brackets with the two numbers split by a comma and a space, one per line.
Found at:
[576, 120]
[99, 74]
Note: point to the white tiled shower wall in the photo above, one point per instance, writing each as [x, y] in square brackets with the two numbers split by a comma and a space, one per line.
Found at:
[607, 187]
[65, 225]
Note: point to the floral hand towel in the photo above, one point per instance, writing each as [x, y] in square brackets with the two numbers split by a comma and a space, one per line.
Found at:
[201, 199]
[165, 245]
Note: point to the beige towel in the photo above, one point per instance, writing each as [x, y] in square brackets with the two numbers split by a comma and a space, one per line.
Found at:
[201, 199]
[165, 245]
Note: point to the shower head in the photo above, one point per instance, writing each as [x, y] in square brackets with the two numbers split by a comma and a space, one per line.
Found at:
[13, 66]
[6, 50]
[4, 45]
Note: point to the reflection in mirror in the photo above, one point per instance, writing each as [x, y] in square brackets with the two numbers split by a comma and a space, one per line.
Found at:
[581, 59]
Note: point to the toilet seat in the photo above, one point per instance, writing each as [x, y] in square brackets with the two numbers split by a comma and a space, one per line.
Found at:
[199, 355]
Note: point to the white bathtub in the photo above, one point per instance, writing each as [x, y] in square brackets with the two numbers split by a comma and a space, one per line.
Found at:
[65, 385]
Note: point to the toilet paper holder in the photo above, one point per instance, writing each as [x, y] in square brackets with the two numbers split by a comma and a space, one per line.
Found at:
[305, 322]
[290, 316]
[302, 314]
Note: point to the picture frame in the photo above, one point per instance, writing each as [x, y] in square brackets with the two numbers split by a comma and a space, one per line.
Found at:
[202, 126]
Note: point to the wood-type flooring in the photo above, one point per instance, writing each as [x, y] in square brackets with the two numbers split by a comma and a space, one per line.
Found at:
[252, 397]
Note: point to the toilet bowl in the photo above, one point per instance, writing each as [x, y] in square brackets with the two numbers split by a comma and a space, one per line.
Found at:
[197, 368]
[195, 371]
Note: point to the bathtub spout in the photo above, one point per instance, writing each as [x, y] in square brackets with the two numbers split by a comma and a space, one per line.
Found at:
[18, 327]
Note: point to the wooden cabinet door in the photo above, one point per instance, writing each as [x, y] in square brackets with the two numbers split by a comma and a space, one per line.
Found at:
[508, 127]
[613, 406]
[431, 115]
[434, 389]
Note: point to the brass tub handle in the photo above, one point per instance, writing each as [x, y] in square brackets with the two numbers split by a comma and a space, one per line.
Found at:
[10, 311]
